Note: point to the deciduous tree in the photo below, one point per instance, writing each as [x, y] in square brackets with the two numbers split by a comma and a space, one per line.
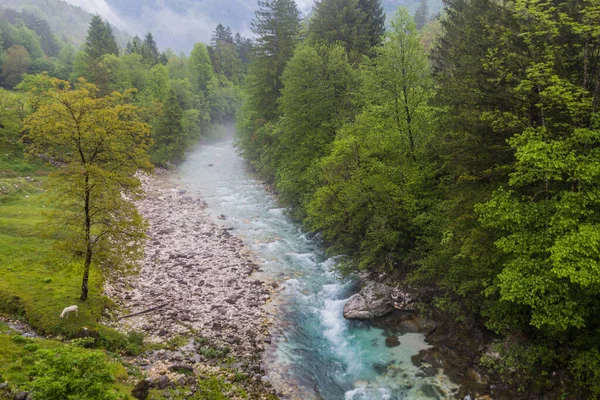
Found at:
[98, 145]
[375, 182]
[16, 62]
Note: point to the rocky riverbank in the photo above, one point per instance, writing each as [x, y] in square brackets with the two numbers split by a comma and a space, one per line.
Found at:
[197, 280]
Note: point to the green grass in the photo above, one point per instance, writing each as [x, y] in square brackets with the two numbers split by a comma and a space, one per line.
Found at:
[36, 281]
[13, 161]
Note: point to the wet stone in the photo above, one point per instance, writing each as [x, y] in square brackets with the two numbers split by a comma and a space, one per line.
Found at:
[392, 341]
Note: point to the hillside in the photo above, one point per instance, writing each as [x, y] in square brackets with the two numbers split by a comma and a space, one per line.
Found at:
[69, 23]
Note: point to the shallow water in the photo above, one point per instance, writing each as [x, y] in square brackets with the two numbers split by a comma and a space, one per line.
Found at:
[315, 352]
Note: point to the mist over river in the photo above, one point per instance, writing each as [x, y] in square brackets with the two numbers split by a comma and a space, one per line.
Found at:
[314, 352]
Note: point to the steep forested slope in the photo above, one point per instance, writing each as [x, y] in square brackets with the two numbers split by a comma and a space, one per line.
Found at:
[69, 23]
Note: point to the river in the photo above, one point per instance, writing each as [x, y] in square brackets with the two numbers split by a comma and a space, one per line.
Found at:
[315, 353]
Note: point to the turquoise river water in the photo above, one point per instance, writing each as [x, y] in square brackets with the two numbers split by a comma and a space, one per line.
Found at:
[315, 353]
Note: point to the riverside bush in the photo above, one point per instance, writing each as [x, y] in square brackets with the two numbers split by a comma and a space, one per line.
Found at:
[72, 373]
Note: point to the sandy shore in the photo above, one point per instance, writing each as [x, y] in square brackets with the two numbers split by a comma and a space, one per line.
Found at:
[199, 270]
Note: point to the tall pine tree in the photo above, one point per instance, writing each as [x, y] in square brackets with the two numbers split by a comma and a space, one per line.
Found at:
[341, 22]
[276, 25]
[100, 42]
[422, 14]
[169, 141]
[375, 20]
[149, 50]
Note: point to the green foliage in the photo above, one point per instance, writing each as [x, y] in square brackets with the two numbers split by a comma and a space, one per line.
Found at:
[277, 25]
[100, 145]
[374, 19]
[479, 189]
[204, 348]
[224, 54]
[169, 141]
[316, 100]
[12, 110]
[374, 188]
[99, 43]
[15, 64]
[200, 65]
[345, 23]
[64, 64]
[72, 373]
[149, 50]
[157, 85]
[212, 388]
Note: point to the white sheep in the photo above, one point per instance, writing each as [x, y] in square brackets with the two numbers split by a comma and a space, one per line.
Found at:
[68, 310]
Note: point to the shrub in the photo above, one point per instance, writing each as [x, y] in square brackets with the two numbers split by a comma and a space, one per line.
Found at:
[72, 373]
[21, 339]
[32, 347]
[116, 342]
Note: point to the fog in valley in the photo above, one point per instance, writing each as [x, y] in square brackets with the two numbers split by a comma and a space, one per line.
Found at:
[178, 24]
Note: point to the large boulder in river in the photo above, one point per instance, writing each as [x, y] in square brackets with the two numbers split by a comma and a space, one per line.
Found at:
[374, 300]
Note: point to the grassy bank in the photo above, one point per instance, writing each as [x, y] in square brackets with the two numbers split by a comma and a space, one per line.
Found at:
[36, 281]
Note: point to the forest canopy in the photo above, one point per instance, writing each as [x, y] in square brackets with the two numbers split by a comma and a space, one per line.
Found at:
[458, 157]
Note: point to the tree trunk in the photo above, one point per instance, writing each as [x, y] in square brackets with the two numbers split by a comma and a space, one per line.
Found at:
[88, 252]
[86, 273]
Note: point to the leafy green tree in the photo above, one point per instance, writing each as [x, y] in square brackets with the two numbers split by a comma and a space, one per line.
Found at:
[64, 63]
[276, 25]
[27, 38]
[99, 145]
[461, 259]
[11, 112]
[149, 50]
[16, 62]
[39, 27]
[42, 65]
[518, 108]
[244, 47]
[224, 54]
[134, 46]
[221, 34]
[316, 101]
[157, 86]
[194, 124]
[178, 66]
[200, 67]
[547, 213]
[100, 41]
[223, 99]
[132, 72]
[375, 20]
[376, 181]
